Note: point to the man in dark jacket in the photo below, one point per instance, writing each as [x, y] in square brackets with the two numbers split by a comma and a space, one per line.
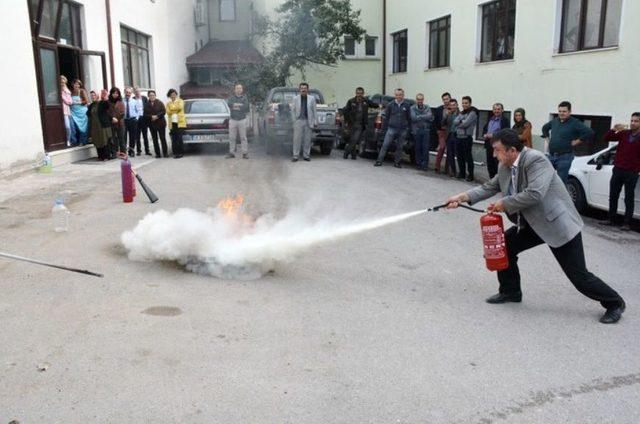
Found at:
[356, 116]
[143, 123]
[239, 106]
[496, 123]
[397, 119]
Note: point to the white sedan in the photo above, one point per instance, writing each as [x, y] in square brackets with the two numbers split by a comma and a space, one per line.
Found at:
[588, 182]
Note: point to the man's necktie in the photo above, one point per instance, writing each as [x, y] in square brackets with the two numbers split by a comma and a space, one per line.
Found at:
[128, 112]
[512, 184]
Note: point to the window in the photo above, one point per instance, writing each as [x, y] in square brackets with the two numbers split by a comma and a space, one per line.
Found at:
[498, 30]
[69, 28]
[203, 76]
[349, 46]
[439, 42]
[399, 51]
[205, 106]
[370, 46]
[135, 58]
[590, 24]
[483, 118]
[227, 10]
[48, 18]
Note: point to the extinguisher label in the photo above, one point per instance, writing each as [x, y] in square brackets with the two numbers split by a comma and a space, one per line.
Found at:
[494, 244]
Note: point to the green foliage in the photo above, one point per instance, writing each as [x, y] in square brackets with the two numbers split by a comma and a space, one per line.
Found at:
[305, 33]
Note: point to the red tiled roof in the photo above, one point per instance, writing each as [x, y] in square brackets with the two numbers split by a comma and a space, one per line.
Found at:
[225, 53]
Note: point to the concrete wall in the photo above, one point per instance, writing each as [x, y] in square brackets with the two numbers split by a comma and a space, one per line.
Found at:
[537, 79]
[19, 143]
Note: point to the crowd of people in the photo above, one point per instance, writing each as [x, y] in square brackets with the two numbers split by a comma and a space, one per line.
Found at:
[453, 128]
[118, 125]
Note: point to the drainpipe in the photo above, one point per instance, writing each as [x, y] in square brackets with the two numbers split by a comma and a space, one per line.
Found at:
[384, 46]
[110, 40]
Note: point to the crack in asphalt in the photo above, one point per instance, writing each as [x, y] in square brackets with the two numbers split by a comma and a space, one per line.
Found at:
[540, 398]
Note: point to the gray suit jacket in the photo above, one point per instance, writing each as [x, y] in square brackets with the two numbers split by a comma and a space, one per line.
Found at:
[541, 198]
[311, 109]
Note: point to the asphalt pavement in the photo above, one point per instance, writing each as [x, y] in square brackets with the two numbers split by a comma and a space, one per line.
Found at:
[386, 326]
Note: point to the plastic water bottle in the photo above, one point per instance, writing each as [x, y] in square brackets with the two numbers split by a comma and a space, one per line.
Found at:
[47, 164]
[60, 215]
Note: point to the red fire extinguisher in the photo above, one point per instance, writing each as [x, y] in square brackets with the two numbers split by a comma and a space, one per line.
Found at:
[495, 248]
[128, 183]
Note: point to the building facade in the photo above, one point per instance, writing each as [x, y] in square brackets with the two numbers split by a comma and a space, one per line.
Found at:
[530, 54]
[104, 43]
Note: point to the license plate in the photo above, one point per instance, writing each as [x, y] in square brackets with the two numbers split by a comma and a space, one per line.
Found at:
[200, 138]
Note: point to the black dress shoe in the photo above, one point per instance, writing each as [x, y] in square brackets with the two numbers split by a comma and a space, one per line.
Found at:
[613, 315]
[345, 155]
[504, 298]
[397, 165]
[147, 153]
[294, 159]
[354, 156]
[307, 159]
[158, 156]
[378, 163]
[469, 178]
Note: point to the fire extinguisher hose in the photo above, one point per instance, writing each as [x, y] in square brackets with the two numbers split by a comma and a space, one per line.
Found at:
[437, 208]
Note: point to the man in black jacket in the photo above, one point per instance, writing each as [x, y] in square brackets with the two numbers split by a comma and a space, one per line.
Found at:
[143, 124]
[496, 123]
[356, 116]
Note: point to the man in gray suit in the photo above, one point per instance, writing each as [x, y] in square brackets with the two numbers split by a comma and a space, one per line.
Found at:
[536, 200]
[304, 114]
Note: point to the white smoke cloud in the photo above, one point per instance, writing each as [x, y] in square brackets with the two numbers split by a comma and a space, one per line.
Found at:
[231, 246]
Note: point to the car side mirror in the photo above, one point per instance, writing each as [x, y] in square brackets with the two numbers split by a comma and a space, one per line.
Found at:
[599, 162]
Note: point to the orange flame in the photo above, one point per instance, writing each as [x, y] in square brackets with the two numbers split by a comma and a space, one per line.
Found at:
[231, 205]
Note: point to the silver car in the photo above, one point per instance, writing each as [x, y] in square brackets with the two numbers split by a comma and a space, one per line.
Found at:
[207, 121]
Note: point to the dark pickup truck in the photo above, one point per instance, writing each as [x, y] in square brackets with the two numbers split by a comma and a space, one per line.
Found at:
[275, 121]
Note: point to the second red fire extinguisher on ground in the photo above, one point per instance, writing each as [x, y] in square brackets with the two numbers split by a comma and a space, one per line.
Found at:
[493, 240]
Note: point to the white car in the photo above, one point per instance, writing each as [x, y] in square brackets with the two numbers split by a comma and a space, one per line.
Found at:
[207, 121]
[588, 182]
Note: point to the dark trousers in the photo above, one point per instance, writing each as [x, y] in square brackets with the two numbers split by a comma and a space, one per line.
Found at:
[464, 148]
[133, 134]
[176, 139]
[355, 138]
[620, 178]
[570, 257]
[143, 126]
[451, 154]
[119, 140]
[492, 163]
[161, 133]
[421, 139]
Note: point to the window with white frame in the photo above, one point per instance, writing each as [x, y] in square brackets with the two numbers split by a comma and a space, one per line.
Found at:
[367, 48]
[227, 10]
[589, 24]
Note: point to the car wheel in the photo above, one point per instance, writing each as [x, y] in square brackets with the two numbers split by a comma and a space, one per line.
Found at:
[577, 194]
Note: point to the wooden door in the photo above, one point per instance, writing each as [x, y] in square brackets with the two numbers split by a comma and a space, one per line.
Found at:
[50, 101]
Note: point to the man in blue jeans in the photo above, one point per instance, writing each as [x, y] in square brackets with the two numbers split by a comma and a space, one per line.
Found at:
[421, 119]
[397, 118]
[566, 133]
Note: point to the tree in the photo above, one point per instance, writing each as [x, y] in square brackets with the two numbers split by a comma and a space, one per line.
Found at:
[305, 33]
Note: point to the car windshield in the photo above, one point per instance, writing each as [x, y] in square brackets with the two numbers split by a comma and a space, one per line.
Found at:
[205, 106]
[287, 96]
